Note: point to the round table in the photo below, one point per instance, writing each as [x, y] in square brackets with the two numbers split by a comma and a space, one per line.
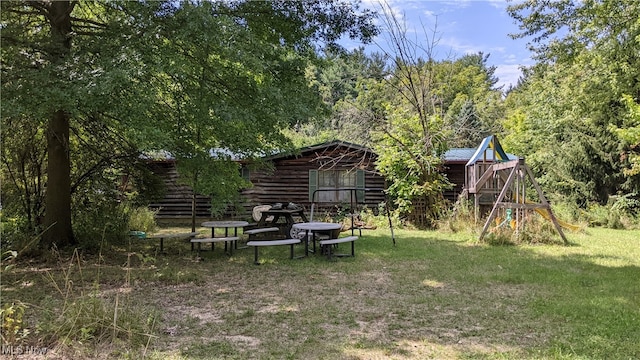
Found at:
[315, 227]
[226, 225]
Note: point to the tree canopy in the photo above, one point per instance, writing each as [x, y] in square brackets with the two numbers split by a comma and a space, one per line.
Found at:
[115, 78]
[574, 109]
[89, 87]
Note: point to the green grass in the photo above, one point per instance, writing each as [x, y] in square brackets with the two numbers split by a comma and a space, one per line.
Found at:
[433, 295]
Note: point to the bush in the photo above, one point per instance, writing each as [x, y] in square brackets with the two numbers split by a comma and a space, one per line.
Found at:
[142, 219]
[13, 328]
[98, 221]
[621, 212]
[377, 218]
[460, 218]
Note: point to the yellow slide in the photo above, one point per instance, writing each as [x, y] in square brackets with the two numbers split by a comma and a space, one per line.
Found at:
[545, 214]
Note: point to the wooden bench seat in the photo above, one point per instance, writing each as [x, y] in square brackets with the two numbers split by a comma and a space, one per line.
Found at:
[257, 243]
[327, 245]
[253, 232]
[212, 241]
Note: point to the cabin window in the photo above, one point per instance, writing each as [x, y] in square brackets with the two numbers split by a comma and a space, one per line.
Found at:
[329, 182]
[245, 173]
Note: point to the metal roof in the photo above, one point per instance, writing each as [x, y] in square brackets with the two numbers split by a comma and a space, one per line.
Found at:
[458, 155]
[317, 147]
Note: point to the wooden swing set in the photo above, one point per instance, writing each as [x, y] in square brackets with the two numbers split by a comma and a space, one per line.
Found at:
[492, 172]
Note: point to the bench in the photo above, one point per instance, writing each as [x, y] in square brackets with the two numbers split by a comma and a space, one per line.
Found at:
[257, 243]
[171, 236]
[253, 232]
[231, 239]
[327, 244]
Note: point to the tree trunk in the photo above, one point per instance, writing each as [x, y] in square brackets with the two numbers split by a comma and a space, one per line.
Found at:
[58, 197]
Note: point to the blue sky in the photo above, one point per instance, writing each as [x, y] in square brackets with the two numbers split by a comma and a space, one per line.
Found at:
[463, 27]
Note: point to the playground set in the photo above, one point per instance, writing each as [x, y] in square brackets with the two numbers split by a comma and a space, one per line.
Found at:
[499, 181]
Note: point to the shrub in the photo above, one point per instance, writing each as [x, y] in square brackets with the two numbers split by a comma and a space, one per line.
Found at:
[621, 212]
[13, 328]
[460, 218]
[100, 220]
[142, 219]
[377, 218]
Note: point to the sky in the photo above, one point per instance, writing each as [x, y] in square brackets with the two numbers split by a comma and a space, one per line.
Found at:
[463, 27]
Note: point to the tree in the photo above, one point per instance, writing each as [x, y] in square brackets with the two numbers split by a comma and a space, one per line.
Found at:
[418, 109]
[72, 68]
[588, 63]
[68, 64]
[340, 78]
[630, 134]
[474, 105]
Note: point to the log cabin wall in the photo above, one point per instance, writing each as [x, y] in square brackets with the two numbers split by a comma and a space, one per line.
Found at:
[289, 179]
[176, 202]
[455, 172]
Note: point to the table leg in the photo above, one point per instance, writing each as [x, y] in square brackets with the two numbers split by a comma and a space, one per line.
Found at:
[161, 245]
[262, 221]
[213, 234]
[306, 243]
[314, 242]
[235, 234]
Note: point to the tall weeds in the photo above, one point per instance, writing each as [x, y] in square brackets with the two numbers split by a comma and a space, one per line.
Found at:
[84, 314]
[533, 229]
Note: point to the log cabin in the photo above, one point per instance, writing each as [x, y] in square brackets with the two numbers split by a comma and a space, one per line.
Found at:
[322, 169]
[314, 171]
[316, 174]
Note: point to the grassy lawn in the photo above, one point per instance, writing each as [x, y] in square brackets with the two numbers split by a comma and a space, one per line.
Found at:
[434, 295]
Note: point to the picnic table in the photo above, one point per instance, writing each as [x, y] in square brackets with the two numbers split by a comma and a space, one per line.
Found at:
[281, 218]
[226, 225]
[314, 228]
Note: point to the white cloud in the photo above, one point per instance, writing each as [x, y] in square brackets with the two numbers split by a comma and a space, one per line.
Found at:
[498, 4]
[511, 59]
[507, 74]
[458, 46]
